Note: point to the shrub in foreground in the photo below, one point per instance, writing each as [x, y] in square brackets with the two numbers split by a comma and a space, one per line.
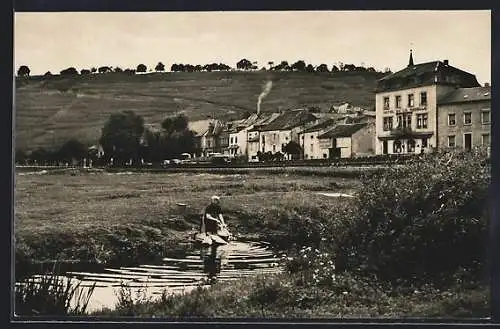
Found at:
[426, 220]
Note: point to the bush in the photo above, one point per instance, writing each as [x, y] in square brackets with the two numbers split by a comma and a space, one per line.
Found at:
[423, 221]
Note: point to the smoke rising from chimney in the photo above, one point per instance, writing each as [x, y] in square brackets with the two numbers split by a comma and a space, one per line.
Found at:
[264, 93]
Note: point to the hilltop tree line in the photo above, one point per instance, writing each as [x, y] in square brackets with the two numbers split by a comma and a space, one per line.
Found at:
[242, 65]
[123, 138]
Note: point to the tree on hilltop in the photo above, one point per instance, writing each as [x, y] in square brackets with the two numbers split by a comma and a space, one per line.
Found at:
[283, 66]
[322, 68]
[160, 67]
[69, 71]
[141, 68]
[299, 66]
[310, 68]
[104, 69]
[244, 64]
[23, 71]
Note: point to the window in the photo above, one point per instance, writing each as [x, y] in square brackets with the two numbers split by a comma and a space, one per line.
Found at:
[398, 101]
[485, 116]
[274, 148]
[411, 100]
[397, 147]
[236, 140]
[485, 141]
[451, 141]
[312, 147]
[423, 98]
[467, 118]
[411, 145]
[451, 119]
[424, 142]
[231, 140]
[263, 139]
[387, 123]
[404, 120]
[386, 103]
[324, 155]
[422, 120]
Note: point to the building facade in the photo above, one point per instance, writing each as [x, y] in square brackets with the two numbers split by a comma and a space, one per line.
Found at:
[347, 141]
[308, 139]
[284, 129]
[464, 119]
[406, 105]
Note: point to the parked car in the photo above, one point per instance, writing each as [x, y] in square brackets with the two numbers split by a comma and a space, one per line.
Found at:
[221, 159]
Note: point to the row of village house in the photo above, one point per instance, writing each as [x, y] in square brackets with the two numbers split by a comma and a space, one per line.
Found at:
[421, 108]
[320, 135]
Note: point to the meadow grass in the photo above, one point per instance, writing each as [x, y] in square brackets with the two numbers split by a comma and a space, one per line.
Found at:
[284, 296]
[102, 217]
[51, 294]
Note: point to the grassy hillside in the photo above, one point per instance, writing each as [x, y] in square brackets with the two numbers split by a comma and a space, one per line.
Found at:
[51, 111]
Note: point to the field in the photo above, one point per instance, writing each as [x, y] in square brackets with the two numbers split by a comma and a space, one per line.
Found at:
[119, 217]
[48, 112]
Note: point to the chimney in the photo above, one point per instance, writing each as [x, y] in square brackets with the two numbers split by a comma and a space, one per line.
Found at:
[445, 62]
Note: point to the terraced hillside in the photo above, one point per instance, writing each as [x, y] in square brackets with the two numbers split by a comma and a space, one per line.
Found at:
[48, 112]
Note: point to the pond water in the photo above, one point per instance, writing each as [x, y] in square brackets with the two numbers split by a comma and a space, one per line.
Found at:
[174, 275]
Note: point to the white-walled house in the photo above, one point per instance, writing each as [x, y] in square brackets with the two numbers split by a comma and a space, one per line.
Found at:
[285, 128]
[253, 134]
[308, 139]
[347, 141]
[406, 105]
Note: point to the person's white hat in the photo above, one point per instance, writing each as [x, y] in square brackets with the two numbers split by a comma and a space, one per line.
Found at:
[214, 197]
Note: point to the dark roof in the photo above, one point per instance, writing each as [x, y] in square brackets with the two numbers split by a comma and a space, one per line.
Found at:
[262, 120]
[462, 95]
[343, 130]
[290, 119]
[424, 74]
[214, 128]
[320, 126]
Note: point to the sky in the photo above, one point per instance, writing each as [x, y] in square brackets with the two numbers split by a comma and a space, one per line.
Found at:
[54, 41]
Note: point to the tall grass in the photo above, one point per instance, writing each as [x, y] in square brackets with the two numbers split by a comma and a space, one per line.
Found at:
[50, 294]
